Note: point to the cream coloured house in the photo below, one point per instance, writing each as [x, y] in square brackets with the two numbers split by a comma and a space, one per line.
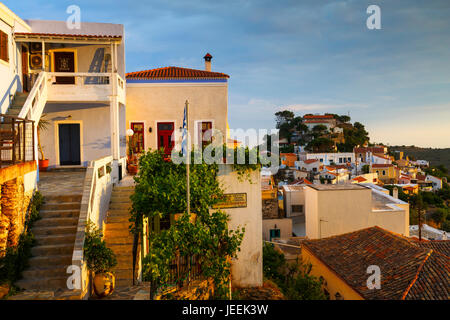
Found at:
[156, 100]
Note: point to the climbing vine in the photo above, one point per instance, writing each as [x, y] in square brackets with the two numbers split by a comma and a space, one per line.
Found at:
[160, 191]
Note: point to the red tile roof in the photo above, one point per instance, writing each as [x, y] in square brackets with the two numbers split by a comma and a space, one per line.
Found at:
[68, 35]
[369, 149]
[308, 161]
[359, 179]
[408, 270]
[326, 116]
[301, 181]
[175, 73]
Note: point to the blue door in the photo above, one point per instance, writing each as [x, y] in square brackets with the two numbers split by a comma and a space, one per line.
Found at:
[69, 144]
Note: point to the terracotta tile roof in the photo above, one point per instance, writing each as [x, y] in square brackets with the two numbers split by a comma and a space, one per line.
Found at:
[301, 181]
[359, 179]
[408, 270]
[369, 149]
[326, 116]
[68, 35]
[175, 73]
[308, 161]
[441, 246]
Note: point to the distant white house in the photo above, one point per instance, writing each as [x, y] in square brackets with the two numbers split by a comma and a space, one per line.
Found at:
[332, 158]
[428, 233]
[437, 182]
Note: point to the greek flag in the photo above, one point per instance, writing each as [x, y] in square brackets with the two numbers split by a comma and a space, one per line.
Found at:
[184, 136]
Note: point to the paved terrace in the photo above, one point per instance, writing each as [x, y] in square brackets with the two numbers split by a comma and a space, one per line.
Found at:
[61, 183]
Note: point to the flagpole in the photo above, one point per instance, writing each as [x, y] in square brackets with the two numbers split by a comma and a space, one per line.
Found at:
[188, 159]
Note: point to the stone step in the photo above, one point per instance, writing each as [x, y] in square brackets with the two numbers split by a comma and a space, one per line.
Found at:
[122, 248]
[111, 240]
[120, 283]
[43, 262]
[61, 206]
[118, 219]
[52, 250]
[62, 239]
[59, 214]
[56, 221]
[120, 199]
[67, 169]
[64, 198]
[119, 212]
[54, 230]
[120, 205]
[43, 283]
[36, 273]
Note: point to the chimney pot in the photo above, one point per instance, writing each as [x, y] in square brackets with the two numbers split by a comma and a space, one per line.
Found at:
[207, 58]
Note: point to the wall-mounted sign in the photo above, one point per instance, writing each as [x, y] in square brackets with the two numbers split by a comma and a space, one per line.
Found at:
[232, 200]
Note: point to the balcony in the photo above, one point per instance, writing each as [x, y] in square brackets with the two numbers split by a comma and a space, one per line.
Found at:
[84, 87]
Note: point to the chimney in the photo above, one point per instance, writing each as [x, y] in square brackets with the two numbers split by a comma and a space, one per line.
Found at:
[395, 193]
[207, 58]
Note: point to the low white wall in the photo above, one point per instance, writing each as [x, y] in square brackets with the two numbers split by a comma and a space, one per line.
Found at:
[247, 268]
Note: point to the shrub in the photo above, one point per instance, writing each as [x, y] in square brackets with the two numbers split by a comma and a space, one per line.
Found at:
[99, 257]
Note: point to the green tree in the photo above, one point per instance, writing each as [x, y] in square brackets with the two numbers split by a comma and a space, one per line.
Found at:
[282, 117]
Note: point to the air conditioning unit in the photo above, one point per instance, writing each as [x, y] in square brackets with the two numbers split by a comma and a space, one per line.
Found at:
[36, 61]
[36, 47]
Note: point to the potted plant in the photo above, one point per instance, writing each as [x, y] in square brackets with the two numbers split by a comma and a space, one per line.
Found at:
[100, 261]
[43, 125]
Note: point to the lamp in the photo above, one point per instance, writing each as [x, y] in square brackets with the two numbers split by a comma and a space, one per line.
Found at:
[130, 132]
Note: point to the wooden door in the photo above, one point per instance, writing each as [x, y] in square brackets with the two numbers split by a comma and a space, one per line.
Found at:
[165, 131]
[25, 81]
[69, 144]
[64, 62]
[138, 137]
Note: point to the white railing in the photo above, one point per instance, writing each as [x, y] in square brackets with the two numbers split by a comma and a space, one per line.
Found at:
[97, 190]
[35, 103]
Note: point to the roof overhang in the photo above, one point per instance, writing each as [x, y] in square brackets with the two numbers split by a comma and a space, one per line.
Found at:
[65, 38]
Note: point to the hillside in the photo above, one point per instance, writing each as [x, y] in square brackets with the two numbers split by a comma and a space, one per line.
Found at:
[434, 156]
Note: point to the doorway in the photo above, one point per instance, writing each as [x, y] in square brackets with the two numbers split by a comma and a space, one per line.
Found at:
[69, 144]
[165, 131]
[64, 61]
[138, 137]
[25, 81]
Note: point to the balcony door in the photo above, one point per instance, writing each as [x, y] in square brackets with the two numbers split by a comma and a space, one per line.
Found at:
[69, 144]
[64, 61]
[165, 131]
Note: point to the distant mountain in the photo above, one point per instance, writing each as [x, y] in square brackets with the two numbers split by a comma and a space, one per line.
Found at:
[434, 155]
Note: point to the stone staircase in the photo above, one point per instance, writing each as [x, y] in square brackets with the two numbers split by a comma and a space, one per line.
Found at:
[17, 104]
[55, 234]
[118, 236]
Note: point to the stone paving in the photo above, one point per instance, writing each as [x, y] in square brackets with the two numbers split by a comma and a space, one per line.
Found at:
[137, 292]
[61, 183]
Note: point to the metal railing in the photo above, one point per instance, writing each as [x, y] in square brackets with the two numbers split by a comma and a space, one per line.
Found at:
[184, 270]
[17, 142]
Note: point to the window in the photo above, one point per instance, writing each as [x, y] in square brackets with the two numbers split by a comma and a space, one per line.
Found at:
[297, 208]
[384, 172]
[321, 160]
[205, 133]
[4, 52]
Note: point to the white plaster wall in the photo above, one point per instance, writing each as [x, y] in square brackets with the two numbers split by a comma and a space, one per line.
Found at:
[285, 226]
[247, 268]
[150, 103]
[95, 133]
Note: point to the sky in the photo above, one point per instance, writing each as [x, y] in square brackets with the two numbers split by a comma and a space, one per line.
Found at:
[306, 56]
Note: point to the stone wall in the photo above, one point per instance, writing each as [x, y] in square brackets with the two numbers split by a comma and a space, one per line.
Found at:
[14, 204]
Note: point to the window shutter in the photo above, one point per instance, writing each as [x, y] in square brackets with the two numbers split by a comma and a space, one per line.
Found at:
[4, 46]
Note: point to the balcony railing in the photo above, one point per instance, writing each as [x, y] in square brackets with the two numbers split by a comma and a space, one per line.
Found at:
[16, 140]
[84, 86]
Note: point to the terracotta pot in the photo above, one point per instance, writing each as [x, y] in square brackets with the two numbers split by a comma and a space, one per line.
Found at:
[43, 165]
[132, 169]
[104, 284]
